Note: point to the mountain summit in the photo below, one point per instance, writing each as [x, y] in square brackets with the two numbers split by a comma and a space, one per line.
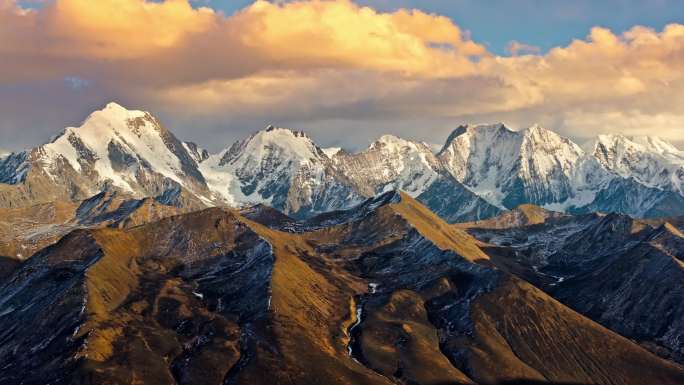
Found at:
[509, 168]
[114, 148]
[282, 168]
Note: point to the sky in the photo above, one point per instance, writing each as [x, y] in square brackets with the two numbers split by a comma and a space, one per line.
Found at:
[344, 71]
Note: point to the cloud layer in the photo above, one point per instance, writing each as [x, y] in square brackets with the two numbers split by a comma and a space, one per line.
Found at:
[333, 67]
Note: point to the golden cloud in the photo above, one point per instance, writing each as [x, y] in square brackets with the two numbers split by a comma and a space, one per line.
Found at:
[321, 59]
[290, 35]
[342, 34]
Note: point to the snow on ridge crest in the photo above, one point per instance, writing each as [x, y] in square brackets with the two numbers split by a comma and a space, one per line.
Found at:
[394, 143]
[293, 144]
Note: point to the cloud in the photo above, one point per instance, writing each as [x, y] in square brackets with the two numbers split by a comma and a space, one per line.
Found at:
[303, 62]
[516, 48]
[637, 73]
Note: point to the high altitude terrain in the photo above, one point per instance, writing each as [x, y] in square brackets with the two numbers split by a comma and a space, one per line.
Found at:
[130, 257]
[383, 293]
[625, 273]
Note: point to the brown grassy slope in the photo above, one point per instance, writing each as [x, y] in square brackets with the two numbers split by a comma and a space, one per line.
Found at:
[349, 239]
[25, 230]
[137, 303]
[520, 332]
[399, 341]
[580, 357]
[523, 215]
[432, 227]
[310, 311]
[146, 323]
[129, 340]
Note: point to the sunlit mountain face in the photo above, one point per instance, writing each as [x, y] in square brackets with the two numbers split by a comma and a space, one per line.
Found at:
[325, 192]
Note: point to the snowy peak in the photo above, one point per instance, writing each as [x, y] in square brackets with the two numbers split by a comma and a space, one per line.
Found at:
[279, 167]
[606, 145]
[479, 170]
[538, 166]
[465, 132]
[539, 139]
[281, 130]
[539, 135]
[482, 157]
[390, 141]
[466, 137]
[127, 148]
[508, 167]
[114, 106]
[543, 152]
[273, 144]
[657, 145]
[116, 118]
[649, 160]
[395, 145]
[476, 129]
[391, 163]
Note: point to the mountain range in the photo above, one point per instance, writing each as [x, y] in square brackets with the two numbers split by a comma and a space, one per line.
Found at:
[506, 257]
[479, 172]
[385, 292]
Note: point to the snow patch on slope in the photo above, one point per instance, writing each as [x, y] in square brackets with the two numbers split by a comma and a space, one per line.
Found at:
[222, 182]
[330, 152]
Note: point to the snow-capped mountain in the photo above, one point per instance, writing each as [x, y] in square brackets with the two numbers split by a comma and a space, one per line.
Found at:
[509, 168]
[130, 149]
[479, 171]
[282, 168]
[538, 166]
[390, 163]
[114, 148]
[650, 160]
[393, 163]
